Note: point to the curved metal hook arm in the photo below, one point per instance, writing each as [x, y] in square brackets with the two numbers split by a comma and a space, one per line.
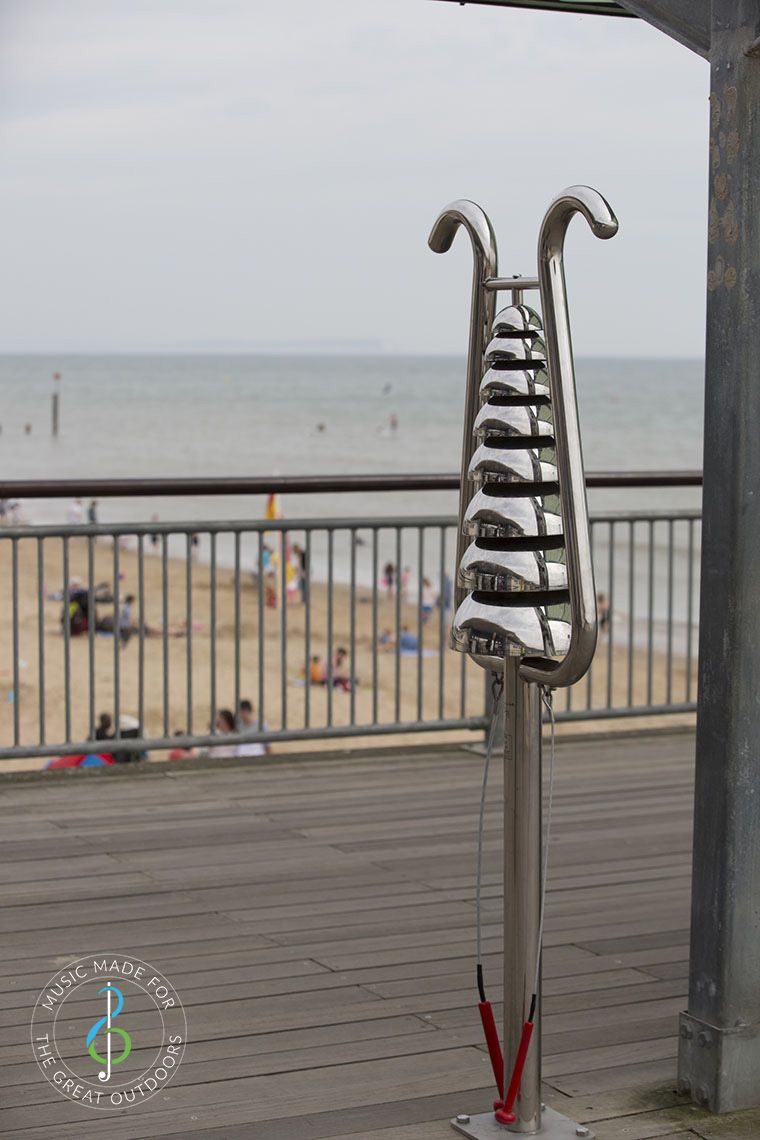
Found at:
[551, 273]
[475, 221]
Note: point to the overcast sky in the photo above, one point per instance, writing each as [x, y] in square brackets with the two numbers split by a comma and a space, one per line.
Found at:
[205, 175]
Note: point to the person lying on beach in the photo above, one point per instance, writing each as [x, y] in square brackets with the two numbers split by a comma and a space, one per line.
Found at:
[129, 628]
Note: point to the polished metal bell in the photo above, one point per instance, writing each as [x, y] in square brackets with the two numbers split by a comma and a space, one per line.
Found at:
[501, 570]
[492, 516]
[489, 633]
[519, 320]
[511, 465]
[511, 420]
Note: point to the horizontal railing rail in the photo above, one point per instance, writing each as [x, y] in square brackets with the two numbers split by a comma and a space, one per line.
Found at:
[301, 484]
[161, 625]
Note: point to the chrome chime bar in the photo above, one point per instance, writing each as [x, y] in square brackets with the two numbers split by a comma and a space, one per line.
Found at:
[525, 596]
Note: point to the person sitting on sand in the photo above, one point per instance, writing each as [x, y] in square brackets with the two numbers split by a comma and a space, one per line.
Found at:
[225, 726]
[317, 674]
[125, 625]
[180, 753]
[340, 679]
[247, 722]
[105, 726]
[407, 641]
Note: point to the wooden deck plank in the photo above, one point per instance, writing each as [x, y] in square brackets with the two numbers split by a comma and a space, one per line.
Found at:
[317, 920]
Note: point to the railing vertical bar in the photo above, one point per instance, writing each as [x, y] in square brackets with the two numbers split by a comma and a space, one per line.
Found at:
[611, 622]
[189, 623]
[352, 631]
[16, 650]
[91, 625]
[420, 632]
[689, 609]
[141, 632]
[374, 625]
[41, 638]
[307, 630]
[66, 641]
[212, 630]
[590, 674]
[329, 662]
[116, 638]
[284, 551]
[650, 609]
[165, 627]
[261, 630]
[397, 678]
[669, 675]
[441, 622]
[631, 605]
[236, 709]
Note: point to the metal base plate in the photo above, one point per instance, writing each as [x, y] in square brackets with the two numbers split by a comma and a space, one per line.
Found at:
[553, 1127]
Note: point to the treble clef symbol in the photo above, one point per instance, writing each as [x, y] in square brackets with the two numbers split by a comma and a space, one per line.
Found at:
[109, 1059]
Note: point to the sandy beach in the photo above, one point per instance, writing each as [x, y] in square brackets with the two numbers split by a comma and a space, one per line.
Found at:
[424, 686]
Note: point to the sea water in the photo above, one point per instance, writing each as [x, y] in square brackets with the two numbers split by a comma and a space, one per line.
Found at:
[261, 415]
[123, 416]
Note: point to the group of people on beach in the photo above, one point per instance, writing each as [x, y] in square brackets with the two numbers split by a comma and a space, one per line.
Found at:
[338, 676]
[227, 724]
[75, 514]
[392, 582]
[80, 614]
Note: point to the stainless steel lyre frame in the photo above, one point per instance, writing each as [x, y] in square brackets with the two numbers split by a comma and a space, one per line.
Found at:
[524, 675]
[482, 308]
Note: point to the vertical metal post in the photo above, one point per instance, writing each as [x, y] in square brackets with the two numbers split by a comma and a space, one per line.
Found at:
[189, 625]
[719, 1061]
[522, 883]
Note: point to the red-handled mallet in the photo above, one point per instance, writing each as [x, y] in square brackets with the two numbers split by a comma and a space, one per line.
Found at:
[492, 1041]
[506, 1115]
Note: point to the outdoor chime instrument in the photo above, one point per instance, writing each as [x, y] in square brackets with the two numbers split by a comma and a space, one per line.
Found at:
[525, 596]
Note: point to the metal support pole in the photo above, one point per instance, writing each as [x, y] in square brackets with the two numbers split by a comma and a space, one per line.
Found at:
[719, 1059]
[522, 883]
[522, 918]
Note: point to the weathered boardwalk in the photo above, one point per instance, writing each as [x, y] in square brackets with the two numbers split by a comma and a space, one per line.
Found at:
[317, 919]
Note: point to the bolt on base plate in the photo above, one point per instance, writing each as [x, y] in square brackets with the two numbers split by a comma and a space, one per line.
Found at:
[553, 1127]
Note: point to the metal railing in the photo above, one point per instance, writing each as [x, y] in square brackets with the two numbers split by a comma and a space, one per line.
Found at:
[163, 625]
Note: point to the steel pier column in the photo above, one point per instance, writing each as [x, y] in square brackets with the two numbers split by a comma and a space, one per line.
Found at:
[719, 1061]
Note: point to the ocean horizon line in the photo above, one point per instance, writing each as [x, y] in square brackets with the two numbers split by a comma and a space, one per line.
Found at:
[306, 353]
